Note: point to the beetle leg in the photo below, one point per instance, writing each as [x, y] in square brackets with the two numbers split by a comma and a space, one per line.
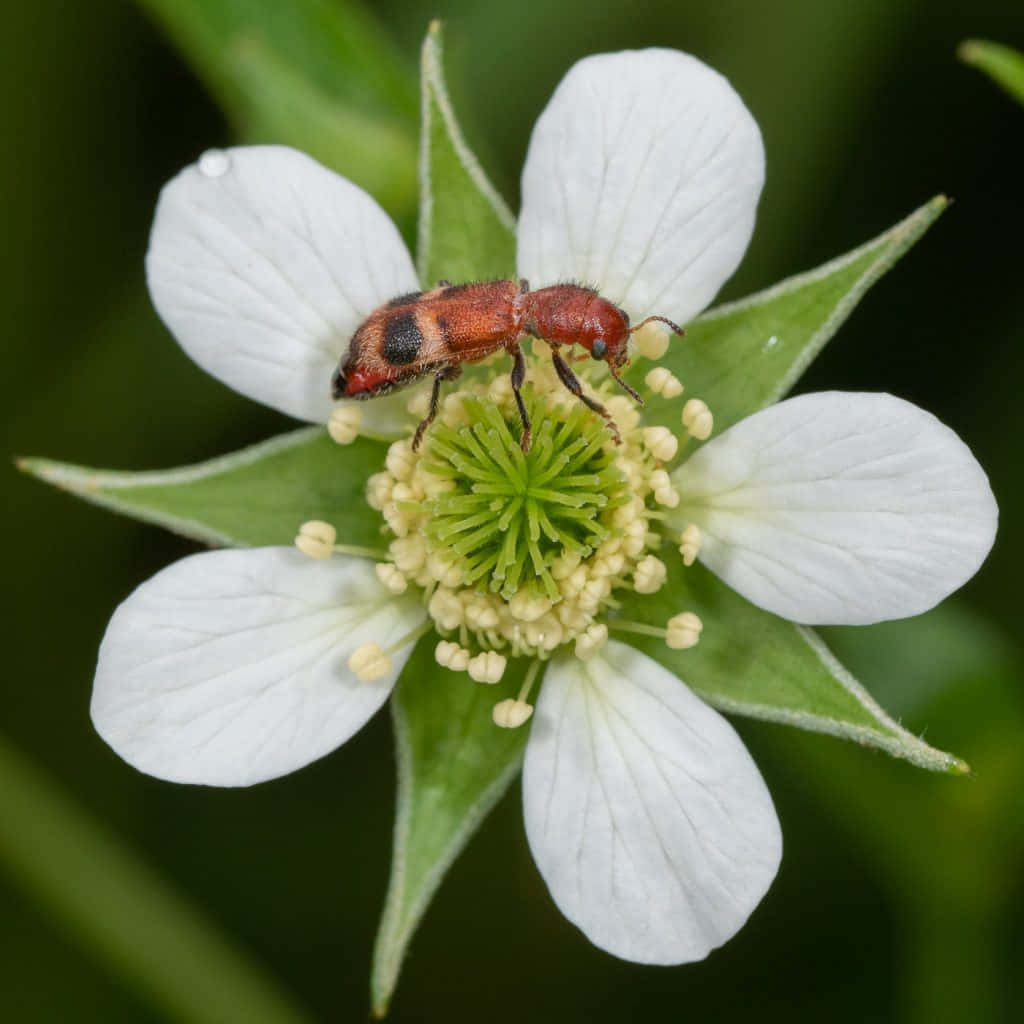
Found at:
[569, 379]
[518, 376]
[524, 286]
[622, 384]
[446, 373]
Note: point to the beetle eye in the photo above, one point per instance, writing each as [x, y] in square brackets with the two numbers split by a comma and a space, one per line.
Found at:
[598, 349]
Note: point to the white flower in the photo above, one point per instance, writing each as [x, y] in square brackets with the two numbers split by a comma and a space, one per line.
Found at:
[646, 816]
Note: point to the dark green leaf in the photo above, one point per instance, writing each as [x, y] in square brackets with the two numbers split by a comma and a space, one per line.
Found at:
[322, 77]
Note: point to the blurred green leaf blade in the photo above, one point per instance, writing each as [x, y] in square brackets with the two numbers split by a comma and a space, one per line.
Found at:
[466, 232]
[752, 663]
[453, 766]
[746, 355]
[124, 914]
[1004, 65]
[258, 495]
[323, 77]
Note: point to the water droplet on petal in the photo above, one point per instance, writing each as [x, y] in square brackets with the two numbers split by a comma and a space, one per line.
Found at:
[214, 162]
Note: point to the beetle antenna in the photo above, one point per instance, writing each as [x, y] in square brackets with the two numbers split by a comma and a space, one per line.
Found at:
[622, 384]
[676, 329]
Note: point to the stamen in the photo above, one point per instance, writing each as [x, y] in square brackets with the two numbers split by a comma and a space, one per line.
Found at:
[661, 443]
[683, 631]
[369, 662]
[595, 637]
[664, 493]
[316, 539]
[343, 424]
[487, 667]
[510, 713]
[662, 381]
[651, 339]
[649, 575]
[698, 420]
[689, 547]
[451, 656]
[392, 578]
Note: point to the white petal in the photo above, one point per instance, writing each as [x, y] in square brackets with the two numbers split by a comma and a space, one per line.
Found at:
[264, 270]
[840, 508]
[231, 667]
[646, 815]
[642, 179]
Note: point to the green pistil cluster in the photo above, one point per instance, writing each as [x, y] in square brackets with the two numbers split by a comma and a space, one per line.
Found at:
[508, 516]
[520, 554]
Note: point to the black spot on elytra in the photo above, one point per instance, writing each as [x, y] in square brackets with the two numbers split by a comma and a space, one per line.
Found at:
[403, 300]
[402, 339]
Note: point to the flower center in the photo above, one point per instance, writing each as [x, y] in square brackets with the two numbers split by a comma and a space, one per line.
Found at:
[520, 553]
[508, 517]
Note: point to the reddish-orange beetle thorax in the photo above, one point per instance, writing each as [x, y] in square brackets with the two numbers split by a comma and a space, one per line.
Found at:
[569, 314]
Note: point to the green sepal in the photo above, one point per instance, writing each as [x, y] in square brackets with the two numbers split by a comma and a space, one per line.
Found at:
[454, 764]
[750, 662]
[466, 232]
[746, 355]
[256, 496]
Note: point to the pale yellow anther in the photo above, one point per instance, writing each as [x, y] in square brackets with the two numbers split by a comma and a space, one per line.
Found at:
[594, 592]
[343, 424]
[487, 667]
[451, 656]
[500, 388]
[545, 633]
[698, 420]
[661, 443]
[402, 492]
[571, 616]
[649, 575]
[565, 565]
[378, 490]
[591, 641]
[408, 553]
[689, 546]
[479, 615]
[659, 479]
[683, 631]
[446, 609]
[444, 570]
[419, 404]
[511, 713]
[400, 460]
[626, 514]
[651, 341]
[635, 539]
[664, 382]
[389, 575]
[667, 496]
[623, 410]
[528, 607]
[453, 411]
[316, 539]
[369, 662]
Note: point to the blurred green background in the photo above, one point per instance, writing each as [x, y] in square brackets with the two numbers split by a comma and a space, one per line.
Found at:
[901, 895]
